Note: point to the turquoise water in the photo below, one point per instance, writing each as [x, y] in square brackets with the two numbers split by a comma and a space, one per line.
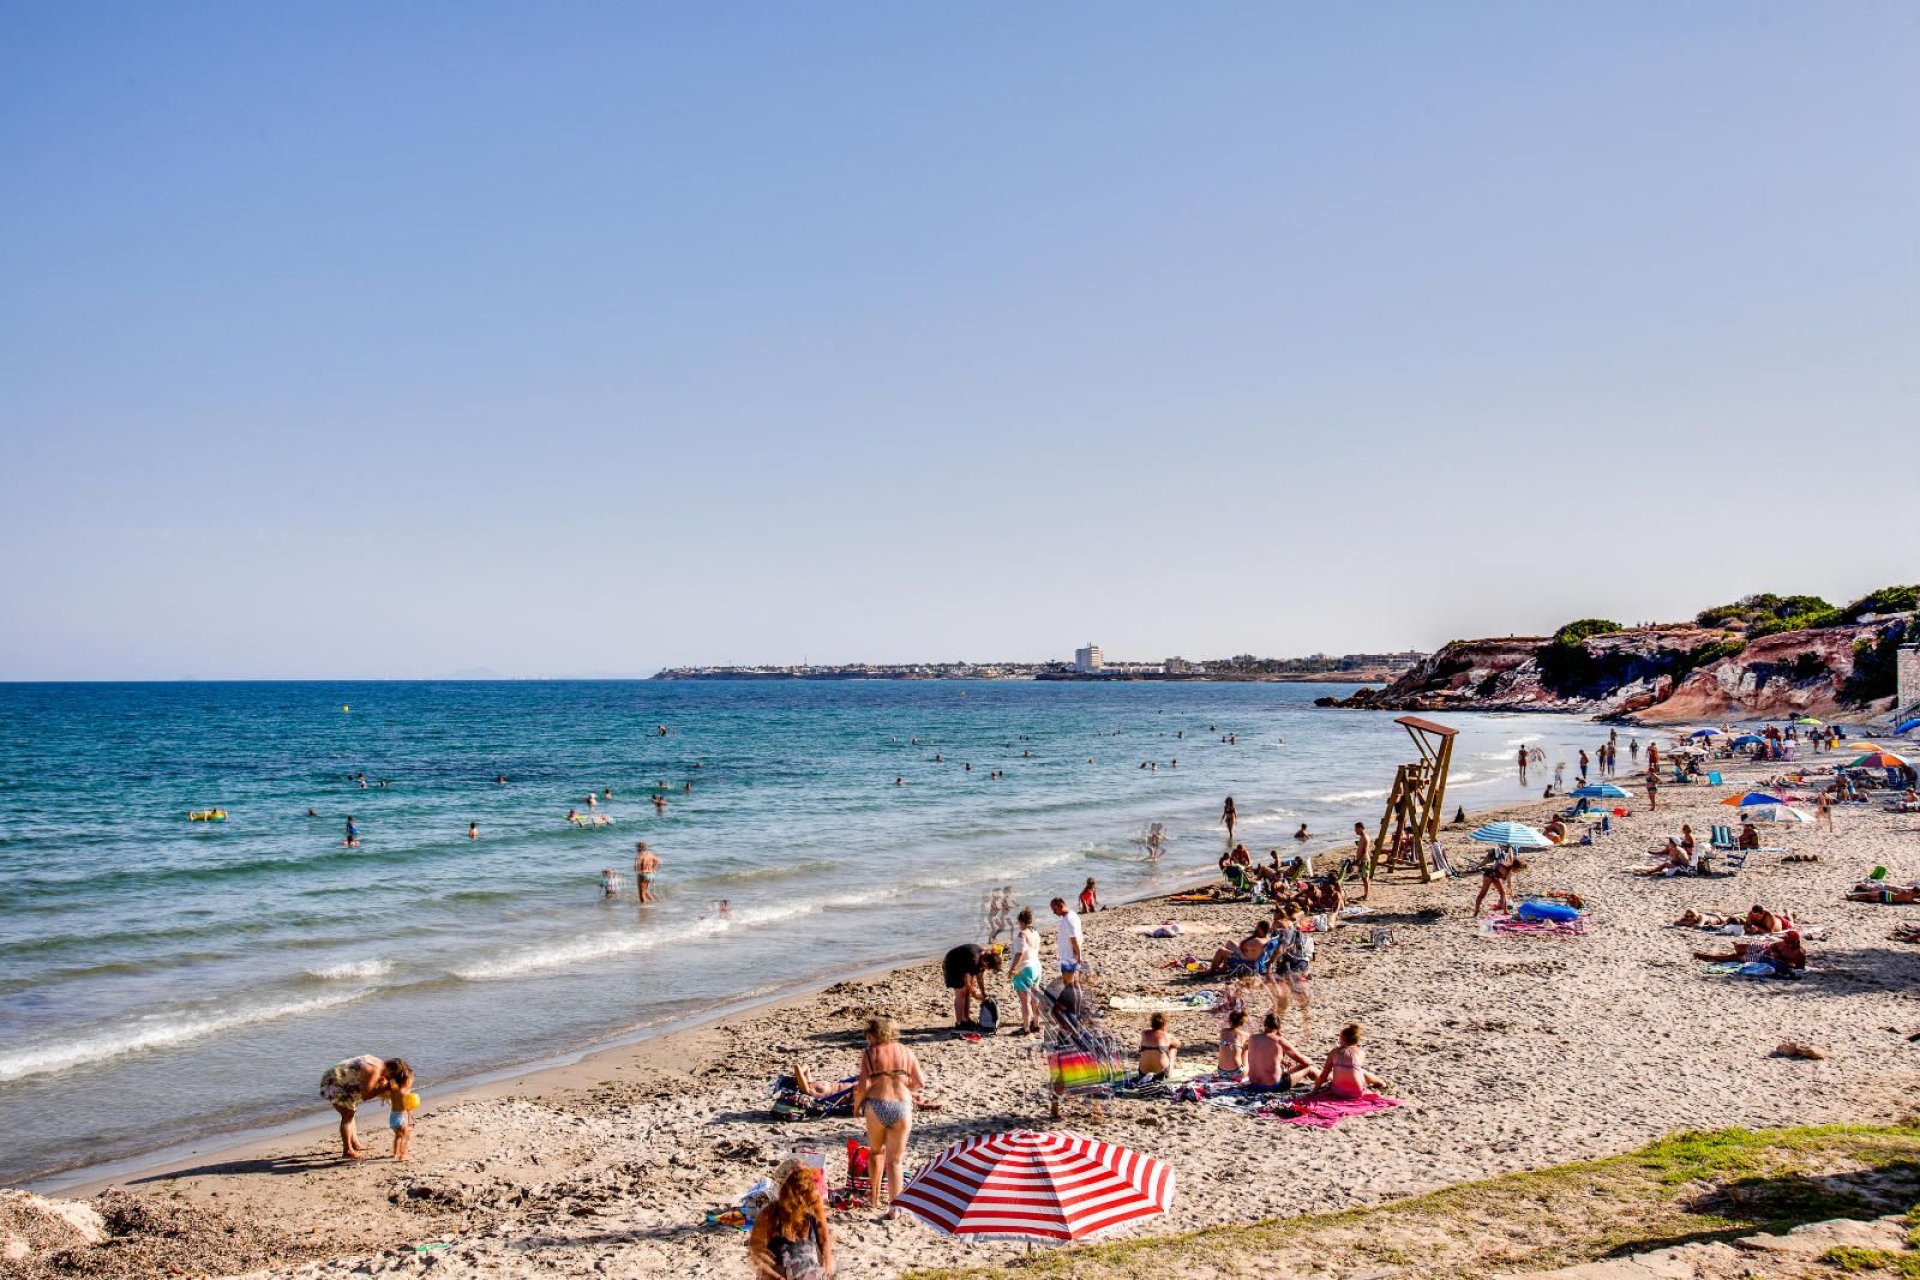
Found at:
[161, 977]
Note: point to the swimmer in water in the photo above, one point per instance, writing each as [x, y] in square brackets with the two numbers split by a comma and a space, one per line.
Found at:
[1301, 834]
[573, 816]
[312, 814]
[353, 834]
[660, 804]
[473, 831]
[608, 889]
[725, 909]
[899, 782]
[592, 800]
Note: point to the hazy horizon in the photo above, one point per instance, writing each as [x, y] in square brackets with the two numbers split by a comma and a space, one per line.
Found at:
[365, 342]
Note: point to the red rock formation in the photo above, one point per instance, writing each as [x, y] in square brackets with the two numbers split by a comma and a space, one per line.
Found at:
[1652, 674]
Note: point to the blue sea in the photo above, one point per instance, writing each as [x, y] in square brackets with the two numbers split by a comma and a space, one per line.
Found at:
[161, 977]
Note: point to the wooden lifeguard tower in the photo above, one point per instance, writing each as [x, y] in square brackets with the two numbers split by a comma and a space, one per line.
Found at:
[1410, 827]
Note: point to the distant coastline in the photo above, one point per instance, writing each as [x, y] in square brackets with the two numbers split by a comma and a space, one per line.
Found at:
[1069, 676]
[1369, 668]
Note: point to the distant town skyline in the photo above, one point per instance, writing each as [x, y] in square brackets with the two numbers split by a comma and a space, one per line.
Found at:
[397, 341]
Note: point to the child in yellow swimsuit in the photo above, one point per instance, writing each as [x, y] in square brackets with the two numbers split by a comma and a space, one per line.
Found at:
[400, 1119]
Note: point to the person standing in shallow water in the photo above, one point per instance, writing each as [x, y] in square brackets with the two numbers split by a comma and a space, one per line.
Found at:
[1228, 816]
[646, 865]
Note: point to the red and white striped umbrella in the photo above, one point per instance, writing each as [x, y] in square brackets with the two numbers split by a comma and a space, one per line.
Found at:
[1055, 1186]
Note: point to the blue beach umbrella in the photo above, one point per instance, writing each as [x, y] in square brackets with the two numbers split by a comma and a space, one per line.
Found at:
[1748, 740]
[1747, 799]
[1598, 791]
[1704, 733]
[1517, 834]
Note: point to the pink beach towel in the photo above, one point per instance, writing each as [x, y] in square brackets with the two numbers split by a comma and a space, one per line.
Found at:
[1323, 1111]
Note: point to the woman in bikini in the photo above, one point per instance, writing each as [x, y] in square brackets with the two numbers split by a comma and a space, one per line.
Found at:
[1345, 1074]
[1233, 1046]
[883, 1096]
[1158, 1049]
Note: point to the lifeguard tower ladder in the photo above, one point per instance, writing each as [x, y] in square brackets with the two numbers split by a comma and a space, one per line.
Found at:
[1415, 806]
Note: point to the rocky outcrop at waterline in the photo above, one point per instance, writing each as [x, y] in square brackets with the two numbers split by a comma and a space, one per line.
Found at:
[1660, 673]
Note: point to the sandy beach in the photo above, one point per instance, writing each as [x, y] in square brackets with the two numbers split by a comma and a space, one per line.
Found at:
[1509, 1052]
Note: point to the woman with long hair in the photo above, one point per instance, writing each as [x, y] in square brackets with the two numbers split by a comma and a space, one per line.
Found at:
[883, 1097]
[791, 1239]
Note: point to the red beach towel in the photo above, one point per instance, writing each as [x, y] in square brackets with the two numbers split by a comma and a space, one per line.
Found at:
[1323, 1111]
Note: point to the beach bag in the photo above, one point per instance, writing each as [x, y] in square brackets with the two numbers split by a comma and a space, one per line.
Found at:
[989, 1016]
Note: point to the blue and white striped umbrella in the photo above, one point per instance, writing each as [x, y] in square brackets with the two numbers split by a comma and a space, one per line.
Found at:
[1598, 791]
[1517, 834]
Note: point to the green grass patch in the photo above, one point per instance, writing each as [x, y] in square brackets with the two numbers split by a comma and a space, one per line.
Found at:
[1684, 1188]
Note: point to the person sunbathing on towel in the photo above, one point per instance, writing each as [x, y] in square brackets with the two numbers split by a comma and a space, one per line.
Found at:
[1783, 953]
[1159, 1050]
[1885, 894]
[804, 1083]
[1674, 861]
[1271, 1061]
[1555, 830]
[1233, 1045]
[1761, 920]
[1345, 1074]
[1244, 955]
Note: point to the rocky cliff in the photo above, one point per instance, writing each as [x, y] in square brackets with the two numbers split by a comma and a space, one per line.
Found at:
[1647, 674]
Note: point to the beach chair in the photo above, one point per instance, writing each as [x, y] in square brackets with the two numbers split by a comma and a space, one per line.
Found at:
[1713, 780]
[791, 1104]
[1723, 838]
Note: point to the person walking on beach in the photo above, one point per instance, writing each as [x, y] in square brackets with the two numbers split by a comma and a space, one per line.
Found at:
[883, 1093]
[1026, 972]
[1653, 785]
[1228, 816]
[791, 1238]
[1523, 766]
[1067, 934]
[1584, 761]
[646, 865]
[1823, 812]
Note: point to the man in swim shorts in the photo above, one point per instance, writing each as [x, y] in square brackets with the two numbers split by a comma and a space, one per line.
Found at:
[1067, 933]
[646, 865]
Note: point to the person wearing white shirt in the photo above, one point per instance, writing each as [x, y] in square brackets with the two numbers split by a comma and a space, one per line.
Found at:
[1067, 928]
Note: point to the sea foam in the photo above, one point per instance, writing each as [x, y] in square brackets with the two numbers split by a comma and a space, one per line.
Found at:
[155, 1031]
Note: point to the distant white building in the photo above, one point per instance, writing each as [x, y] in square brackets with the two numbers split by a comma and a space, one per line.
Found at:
[1088, 659]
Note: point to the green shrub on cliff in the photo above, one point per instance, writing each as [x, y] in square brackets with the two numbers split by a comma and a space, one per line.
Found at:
[1765, 609]
[1873, 665]
[1827, 617]
[1882, 602]
[1574, 632]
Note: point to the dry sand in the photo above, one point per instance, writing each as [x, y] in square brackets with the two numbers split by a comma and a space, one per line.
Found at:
[1511, 1053]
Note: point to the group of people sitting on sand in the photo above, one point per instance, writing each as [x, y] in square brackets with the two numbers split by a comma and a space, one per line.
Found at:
[1760, 936]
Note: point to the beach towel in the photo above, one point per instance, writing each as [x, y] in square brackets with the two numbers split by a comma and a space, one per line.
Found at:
[1324, 1111]
[1496, 926]
[1358, 911]
[1197, 1002]
[1743, 969]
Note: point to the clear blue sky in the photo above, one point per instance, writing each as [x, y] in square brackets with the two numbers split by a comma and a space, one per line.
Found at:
[407, 339]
